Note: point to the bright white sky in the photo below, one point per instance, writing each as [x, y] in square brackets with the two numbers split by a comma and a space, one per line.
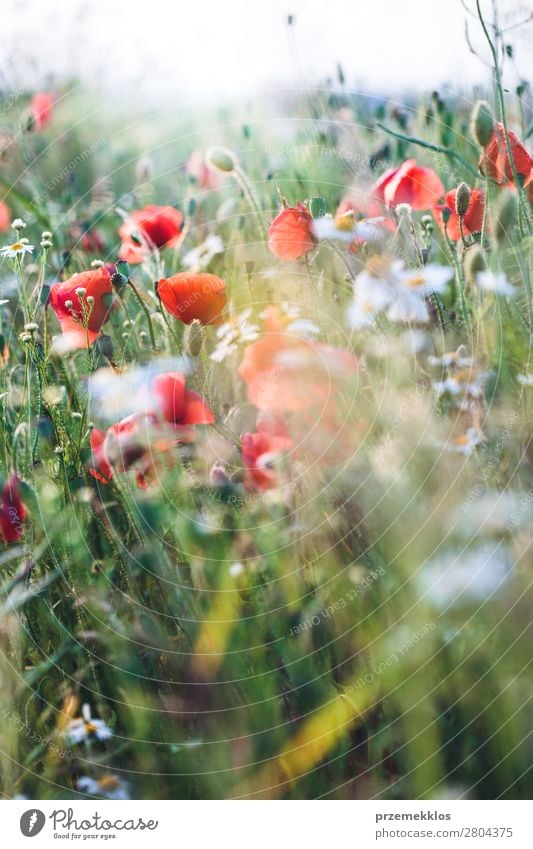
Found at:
[200, 48]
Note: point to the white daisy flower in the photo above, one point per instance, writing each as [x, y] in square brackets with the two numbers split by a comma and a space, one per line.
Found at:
[303, 327]
[465, 444]
[453, 359]
[108, 785]
[430, 278]
[466, 576]
[525, 379]
[238, 330]
[345, 228]
[16, 249]
[198, 258]
[400, 291]
[84, 727]
[495, 281]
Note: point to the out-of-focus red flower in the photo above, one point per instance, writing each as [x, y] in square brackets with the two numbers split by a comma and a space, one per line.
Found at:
[291, 235]
[89, 239]
[190, 296]
[12, 511]
[420, 187]
[41, 107]
[148, 228]
[179, 406]
[137, 441]
[495, 161]
[5, 217]
[260, 451]
[196, 168]
[472, 219]
[284, 372]
[81, 321]
[101, 470]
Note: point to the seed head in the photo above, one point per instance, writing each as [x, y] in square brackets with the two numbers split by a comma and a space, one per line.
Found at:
[462, 199]
[482, 123]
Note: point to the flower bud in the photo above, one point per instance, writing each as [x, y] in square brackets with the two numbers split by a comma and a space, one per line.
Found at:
[122, 267]
[482, 123]
[104, 346]
[462, 199]
[505, 218]
[474, 263]
[317, 207]
[221, 159]
[118, 281]
[194, 338]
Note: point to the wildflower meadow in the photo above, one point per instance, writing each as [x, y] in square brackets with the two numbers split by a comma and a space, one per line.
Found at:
[266, 458]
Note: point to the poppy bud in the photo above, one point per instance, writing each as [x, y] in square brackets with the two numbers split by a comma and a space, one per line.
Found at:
[505, 218]
[446, 214]
[317, 207]
[194, 338]
[122, 267]
[474, 263]
[462, 199]
[221, 159]
[104, 346]
[482, 123]
[118, 281]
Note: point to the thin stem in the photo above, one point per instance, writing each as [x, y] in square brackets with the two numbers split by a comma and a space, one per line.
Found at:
[430, 146]
[503, 115]
[146, 312]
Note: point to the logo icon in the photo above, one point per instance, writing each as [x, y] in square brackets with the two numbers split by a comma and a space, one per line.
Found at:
[32, 822]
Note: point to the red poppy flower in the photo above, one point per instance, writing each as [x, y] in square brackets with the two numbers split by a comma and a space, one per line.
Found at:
[259, 452]
[495, 160]
[179, 406]
[410, 183]
[472, 219]
[41, 106]
[101, 470]
[290, 235]
[12, 511]
[148, 228]
[5, 217]
[284, 372]
[138, 440]
[81, 321]
[190, 296]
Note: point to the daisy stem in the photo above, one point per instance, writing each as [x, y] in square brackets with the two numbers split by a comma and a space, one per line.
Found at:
[146, 312]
